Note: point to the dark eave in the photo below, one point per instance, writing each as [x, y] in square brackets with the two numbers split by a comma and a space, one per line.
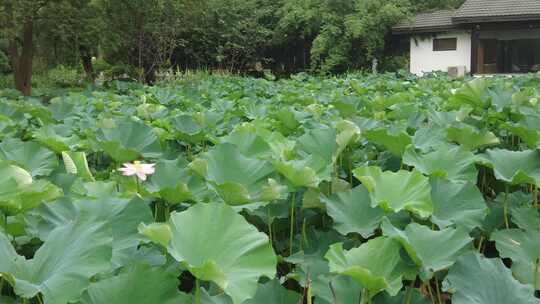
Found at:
[423, 30]
[489, 19]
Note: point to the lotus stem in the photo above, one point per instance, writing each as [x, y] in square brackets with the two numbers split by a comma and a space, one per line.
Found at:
[430, 292]
[334, 297]
[304, 233]
[365, 296]
[197, 292]
[409, 293]
[506, 223]
[309, 296]
[1, 284]
[269, 219]
[291, 237]
[39, 299]
[438, 291]
[535, 279]
[480, 243]
[535, 193]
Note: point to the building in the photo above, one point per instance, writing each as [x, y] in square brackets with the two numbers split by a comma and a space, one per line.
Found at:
[480, 37]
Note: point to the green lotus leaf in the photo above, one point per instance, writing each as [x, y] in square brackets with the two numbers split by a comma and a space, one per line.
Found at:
[406, 296]
[174, 182]
[457, 203]
[123, 215]
[352, 212]
[431, 250]
[346, 290]
[348, 133]
[478, 280]
[238, 179]
[471, 138]
[320, 142]
[247, 138]
[393, 141]
[514, 167]
[57, 138]
[376, 265]
[529, 136]
[273, 292]
[450, 162]
[473, 93]
[62, 267]
[187, 128]
[138, 284]
[157, 232]
[525, 219]
[430, 137]
[217, 244]
[298, 172]
[524, 250]
[20, 193]
[76, 164]
[127, 140]
[396, 191]
[31, 156]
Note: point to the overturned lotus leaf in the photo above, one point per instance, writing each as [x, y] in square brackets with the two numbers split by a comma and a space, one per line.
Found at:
[471, 138]
[450, 162]
[57, 138]
[217, 244]
[395, 142]
[174, 182]
[432, 250]
[157, 232]
[514, 167]
[473, 93]
[299, 172]
[396, 191]
[376, 265]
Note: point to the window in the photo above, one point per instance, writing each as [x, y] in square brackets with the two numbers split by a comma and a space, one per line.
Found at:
[444, 44]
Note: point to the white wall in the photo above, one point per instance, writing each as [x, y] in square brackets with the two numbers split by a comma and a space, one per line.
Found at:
[424, 59]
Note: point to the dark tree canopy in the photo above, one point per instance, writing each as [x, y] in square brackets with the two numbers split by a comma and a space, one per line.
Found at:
[140, 37]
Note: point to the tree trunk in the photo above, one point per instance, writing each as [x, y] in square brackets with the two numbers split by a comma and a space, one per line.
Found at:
[86, 58]
[22, 63]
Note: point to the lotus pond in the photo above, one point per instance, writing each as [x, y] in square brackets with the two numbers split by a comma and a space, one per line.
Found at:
[360, 189]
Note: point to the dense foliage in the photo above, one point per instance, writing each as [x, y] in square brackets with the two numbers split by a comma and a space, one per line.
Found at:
[361, 189]
[138, 38]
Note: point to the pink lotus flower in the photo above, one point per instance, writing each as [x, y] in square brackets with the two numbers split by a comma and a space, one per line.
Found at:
[138, 168]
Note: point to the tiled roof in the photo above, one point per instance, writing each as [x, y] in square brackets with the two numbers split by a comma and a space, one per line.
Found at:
[472, 11]
[478, 9]
[429, 20]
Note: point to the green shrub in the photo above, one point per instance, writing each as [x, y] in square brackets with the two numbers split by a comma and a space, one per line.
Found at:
[64, 77]
[5, 67]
